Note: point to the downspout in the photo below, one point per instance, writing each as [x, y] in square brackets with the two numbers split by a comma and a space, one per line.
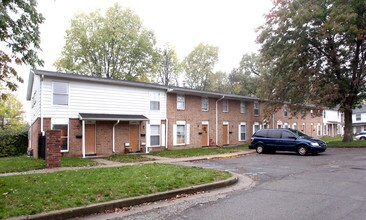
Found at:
[114, 136]
[217, 119]
[41, 112]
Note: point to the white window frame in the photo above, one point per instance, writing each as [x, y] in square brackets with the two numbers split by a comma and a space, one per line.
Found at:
[186, 130]
[241, 132]
[358, 116]
[242, 107]
[225, 105]
[60, 94]
[62, 121]
[285, 112]
[205, 104]
[256, 108]
[154, 98]
[181, 102]
[158, 135]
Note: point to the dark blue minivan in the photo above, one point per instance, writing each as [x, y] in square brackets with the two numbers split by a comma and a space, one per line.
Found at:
[285, 139]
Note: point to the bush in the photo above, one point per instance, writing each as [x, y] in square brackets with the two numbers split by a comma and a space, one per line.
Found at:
[13, 142]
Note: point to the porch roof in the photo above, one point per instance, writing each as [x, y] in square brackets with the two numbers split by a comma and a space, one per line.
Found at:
[111, 117]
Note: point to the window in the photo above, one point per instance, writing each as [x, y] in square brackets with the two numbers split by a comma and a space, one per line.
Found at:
[274, 134]
[155, 135]
[294, 126]
[181, 134]
[154, 101]
[325, 112]
[225, 105]
[204, 104]
[181, 102]
[285, 111]
[64, 135]
[242, 131]
[242, 107]
[358, 117]
[256, 108]
[256, 127]
[60, 93]
[286, 134]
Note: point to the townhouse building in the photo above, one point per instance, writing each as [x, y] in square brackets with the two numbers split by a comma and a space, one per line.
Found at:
[333, 121]
[359, 119]
[99, 116]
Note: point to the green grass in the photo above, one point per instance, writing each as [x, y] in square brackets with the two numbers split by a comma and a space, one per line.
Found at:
[199, 151]
[128, 158]
[20, 164]
[32, 194]
[24, 163]
[337, 142]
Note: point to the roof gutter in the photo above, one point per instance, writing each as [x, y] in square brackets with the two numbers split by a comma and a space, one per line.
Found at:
[217, 119]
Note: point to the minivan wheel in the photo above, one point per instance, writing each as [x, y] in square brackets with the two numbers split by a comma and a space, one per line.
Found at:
[362, 138]
[302, 150]
[259, 149]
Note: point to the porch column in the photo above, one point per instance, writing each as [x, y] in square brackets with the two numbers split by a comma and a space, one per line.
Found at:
[83, 144]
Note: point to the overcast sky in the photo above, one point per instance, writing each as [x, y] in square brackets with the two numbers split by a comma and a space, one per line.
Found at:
[227, 24]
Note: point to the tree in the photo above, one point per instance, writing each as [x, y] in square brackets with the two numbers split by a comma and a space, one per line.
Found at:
[169, 67]
[244, 79]
[20, 39]
[11, 110]
[199, 65]
[316, 52]
[218, 82]
[114, 46]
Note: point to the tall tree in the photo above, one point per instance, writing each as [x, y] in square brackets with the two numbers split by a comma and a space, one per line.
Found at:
[169, 67]
[316, 51]
[199, 65]
[114, 46]
[218, 82]
[244, 79]
[20, 39]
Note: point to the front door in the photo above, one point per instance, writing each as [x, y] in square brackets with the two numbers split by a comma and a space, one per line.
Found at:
[225, 134]
[204, 140]
[134, 137]
[90, 139]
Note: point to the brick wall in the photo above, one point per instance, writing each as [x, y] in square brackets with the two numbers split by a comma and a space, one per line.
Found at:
[36, 131]
[53, 148]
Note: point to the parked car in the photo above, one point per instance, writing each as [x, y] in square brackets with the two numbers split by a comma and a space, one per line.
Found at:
[285, 139]
[360, 136]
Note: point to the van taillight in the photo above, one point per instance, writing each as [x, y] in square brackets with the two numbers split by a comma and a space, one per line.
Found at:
[251, 139]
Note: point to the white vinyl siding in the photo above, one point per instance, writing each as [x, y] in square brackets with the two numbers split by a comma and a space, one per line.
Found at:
[94, 97]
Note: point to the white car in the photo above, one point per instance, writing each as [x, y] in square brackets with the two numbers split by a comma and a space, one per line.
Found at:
[361, 135]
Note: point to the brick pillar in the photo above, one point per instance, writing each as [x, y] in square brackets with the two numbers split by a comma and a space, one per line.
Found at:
[53, 148]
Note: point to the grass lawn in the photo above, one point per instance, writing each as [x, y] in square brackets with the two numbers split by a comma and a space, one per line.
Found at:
[128, 158]
[199, 151]
[32, 194]
[24, 163]
[337, 142]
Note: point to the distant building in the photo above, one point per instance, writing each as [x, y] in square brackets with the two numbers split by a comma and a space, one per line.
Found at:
[359, 119]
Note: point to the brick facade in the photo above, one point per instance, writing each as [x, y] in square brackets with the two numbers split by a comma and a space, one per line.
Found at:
[53, 148]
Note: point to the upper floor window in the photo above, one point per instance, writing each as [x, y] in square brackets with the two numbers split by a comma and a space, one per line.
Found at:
[60, 93]
[225, 105]
[242, 107]
[285, 111]
[256, 108]
[181, 102]
[204, 104]
[358, 117]
[154, 101]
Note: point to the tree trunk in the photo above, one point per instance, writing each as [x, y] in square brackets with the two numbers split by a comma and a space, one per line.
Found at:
[348, 134]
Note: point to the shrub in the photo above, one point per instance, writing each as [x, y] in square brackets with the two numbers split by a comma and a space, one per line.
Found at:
[13, 142]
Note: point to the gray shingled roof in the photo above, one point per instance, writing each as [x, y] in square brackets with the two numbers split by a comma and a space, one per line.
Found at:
[110, 117]
[170, 89]
[359, 110]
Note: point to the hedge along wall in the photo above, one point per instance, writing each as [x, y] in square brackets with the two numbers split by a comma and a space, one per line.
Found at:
[13, 143]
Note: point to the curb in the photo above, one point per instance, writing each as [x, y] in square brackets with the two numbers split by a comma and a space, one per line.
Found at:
[95, 208]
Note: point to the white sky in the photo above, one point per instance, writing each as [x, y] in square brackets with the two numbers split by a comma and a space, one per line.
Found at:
[227, 24]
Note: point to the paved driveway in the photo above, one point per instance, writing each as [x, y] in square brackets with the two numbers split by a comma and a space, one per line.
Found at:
[331, 185]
